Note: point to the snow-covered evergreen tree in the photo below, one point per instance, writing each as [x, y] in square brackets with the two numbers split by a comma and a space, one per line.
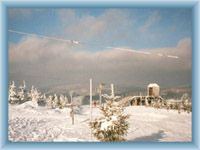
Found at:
[66, 100]
[186, 102]
[44, 97]
[113, 125]
[185, 97]
[35, 96]
[12, 95]
[55, 101]
[49, 101]
[42, 100]
[22, 92]
[62, 101]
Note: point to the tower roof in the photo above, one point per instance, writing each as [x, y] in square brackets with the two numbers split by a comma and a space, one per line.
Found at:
[153, 85]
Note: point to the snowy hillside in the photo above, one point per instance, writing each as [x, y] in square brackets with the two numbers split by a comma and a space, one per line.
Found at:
[27, 123]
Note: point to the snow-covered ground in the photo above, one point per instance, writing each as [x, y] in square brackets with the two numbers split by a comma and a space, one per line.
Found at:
[27, 123]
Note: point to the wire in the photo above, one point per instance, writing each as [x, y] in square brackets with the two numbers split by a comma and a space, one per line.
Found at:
[84, 43]
[43, 36]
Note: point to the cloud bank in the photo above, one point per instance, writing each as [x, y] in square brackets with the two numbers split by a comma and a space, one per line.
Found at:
[44, 62]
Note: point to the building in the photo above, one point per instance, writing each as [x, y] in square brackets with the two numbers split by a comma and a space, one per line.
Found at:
[153, 89]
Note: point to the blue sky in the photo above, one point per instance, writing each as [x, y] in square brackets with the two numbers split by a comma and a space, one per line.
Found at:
[133, 28]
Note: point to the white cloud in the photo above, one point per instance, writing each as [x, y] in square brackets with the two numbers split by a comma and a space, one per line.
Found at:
[112, 22]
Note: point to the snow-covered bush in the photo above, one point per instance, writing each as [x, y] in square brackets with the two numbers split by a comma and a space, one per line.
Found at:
[113, 125]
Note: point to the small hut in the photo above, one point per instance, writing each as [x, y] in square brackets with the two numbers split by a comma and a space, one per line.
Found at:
[153, 89]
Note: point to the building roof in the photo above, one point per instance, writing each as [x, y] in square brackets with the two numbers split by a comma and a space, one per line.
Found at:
[153, 85]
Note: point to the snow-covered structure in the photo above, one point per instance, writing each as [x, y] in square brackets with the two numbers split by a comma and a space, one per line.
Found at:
[152, 97]
[153, 89]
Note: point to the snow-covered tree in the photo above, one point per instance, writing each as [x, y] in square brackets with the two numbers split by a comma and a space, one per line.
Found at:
[44, 97]
[12, 95]
[34, 95]
[49, 101]
[22, 92]
[66, 100]
[186, 102]
[42, 100]
[55, 101]
[113, 125]
[62, 101]
[185, 97]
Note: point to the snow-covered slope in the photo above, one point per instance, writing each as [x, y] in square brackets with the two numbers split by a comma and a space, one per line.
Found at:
[27, 123]
[150, 124]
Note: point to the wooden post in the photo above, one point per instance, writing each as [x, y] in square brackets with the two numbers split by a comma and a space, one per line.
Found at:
[72, 114]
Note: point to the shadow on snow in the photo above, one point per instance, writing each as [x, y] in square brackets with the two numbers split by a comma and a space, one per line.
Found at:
[155, 137]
